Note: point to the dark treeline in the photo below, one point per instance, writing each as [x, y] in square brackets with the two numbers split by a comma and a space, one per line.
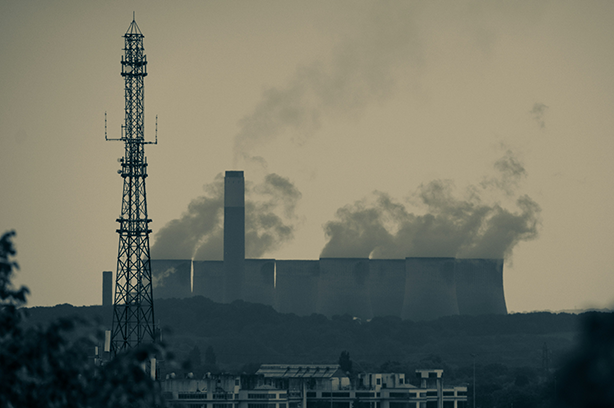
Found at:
[243, 333]
[519, 359]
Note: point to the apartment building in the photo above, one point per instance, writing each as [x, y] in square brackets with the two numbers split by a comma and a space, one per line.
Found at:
[313, 386]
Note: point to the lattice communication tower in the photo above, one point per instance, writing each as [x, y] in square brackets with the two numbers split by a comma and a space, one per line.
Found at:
[133, 309]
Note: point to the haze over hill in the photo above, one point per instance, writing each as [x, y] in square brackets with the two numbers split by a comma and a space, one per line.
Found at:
[394, 97]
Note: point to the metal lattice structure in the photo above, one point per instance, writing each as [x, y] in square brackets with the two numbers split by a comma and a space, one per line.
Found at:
[133, 309]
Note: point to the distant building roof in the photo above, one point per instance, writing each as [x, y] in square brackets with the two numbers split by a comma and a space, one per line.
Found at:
[300, 371]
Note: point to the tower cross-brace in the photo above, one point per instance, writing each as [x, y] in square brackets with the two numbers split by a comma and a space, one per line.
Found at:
[133, 309]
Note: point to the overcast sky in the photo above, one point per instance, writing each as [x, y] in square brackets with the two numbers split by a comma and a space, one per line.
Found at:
[507, 105]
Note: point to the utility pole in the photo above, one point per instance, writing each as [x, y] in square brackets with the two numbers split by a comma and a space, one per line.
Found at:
[133, 309]
[473, 398]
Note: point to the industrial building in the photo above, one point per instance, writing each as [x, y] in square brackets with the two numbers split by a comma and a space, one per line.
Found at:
[410, 288]
[313, 386]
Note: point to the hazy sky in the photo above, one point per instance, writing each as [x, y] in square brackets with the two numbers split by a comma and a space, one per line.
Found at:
[492, 103]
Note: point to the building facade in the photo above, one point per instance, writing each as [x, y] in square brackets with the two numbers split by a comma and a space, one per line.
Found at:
[313, 386]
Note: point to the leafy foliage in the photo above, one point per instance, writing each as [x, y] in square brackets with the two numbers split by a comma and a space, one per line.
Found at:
[345, 363]
[42, 367]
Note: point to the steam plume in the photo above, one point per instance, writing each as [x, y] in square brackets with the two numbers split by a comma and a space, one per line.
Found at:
[360, 72]
[538, 112]
[510, 173]
[198, 233]
[379, 227]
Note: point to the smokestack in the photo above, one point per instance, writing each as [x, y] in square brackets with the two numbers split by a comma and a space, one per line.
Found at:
[107, 288]
[234, 235]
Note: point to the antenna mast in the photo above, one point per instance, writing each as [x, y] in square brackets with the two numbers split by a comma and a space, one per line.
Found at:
[133, 310]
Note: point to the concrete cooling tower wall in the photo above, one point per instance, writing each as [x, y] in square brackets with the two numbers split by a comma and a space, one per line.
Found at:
[171, 278]
[387, 286]
[412, 288]
[344, 287]
[430, 290]
[479, 286]
[258, 286]
[296, 287]
[208, 280]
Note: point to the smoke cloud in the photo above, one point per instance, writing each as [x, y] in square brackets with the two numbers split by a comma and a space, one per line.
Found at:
[380, 227]
[270, 221]
[264, 228]
[199, 226]
[360, 72]
[538, 112]
[510, 172]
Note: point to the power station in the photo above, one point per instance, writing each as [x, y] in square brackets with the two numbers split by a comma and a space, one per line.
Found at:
[133, 309]
[411, 288]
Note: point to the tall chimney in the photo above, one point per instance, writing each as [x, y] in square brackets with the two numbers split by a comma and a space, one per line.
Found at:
[234, 235]
[107, 288]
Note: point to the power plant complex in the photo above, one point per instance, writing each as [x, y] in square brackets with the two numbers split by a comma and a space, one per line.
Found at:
[411, 288]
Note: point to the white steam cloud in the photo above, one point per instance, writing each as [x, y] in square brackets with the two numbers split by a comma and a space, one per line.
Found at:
[538, 112]
[380, 227]
[361, 71]
[270, 221]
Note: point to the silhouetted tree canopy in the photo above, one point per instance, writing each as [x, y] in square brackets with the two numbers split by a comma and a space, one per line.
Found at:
[42, 367]
[210, 358]
[344, 362]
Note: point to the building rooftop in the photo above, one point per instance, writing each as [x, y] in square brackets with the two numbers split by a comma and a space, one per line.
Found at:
[300, 371]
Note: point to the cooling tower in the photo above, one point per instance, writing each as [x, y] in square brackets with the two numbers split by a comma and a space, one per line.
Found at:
[387, 286]
[208, 280]
[171, 278]
[259, 281]
[479, 286]
[234, 235]
[296, 286]
[430, 290]
[344, 287]
[107, 288]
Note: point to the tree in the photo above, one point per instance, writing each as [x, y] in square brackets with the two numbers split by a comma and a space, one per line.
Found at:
[194, 357]
[586, 378]
[344, 362]
[210, 358]
[41, 367]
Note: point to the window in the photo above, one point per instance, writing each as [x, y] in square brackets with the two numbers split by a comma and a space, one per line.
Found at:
[196, 395]
[379, 381]
[261, 396]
